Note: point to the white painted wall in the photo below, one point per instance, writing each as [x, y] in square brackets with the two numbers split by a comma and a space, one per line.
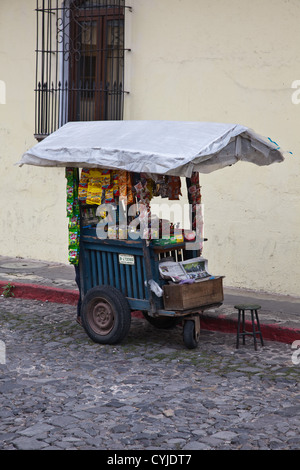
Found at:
[229, 61]
[32, 208]
[232, 61]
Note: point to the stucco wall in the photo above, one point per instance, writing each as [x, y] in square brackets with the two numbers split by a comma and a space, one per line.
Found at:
[231, 61]
[32, 209]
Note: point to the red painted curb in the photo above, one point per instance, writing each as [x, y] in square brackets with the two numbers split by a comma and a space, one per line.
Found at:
[42, 293]
[272, 332]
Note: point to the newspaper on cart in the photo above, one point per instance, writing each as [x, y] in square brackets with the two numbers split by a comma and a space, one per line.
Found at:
[194, 269]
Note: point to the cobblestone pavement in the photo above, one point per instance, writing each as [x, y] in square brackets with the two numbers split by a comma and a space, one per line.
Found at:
[58, 390]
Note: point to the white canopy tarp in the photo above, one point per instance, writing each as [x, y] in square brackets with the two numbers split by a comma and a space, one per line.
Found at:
[164, 147]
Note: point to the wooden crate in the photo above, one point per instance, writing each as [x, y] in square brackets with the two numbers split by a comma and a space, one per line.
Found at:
[190, 296]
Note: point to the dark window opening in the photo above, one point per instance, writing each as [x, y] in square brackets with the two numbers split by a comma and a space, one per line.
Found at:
[79, 62]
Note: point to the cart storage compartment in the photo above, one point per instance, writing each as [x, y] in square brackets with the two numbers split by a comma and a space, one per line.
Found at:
[198, 294]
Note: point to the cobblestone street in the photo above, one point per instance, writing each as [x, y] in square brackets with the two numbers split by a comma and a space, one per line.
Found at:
[58, 390]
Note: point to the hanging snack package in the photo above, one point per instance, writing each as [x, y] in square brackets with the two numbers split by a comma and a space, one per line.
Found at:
[122, 183]
[194, 195]
[106, 176]
[115, 184]
[70, 175]
[143, 193]
[94, 189]
[174, 187]
[73, 256]
[150, 187]
[85, 175]
[194, 189]
[73, 222]
[109, 194]
[94, 194]
[161, 186]
[73, 238]
[82, 191]
[69, 209]
[72, 189]
[130, 198]
[83, 184]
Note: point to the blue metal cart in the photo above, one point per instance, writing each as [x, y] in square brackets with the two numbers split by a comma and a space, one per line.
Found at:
[115, 277]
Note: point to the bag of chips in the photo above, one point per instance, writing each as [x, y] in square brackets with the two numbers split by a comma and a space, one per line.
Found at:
[94, 190]
[83, 184]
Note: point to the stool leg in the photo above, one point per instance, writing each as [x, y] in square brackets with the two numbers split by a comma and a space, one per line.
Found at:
[238, 330]
[254, 332]
[244, 329]
[258, 326]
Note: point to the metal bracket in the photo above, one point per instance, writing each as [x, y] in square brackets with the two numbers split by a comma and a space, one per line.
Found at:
[196, 320]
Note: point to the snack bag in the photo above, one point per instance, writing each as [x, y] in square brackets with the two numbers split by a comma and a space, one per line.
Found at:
[82, 191]
[83, 184]
[115, 184]
[73, 256]
[73, 222]
[161, 186]
[73, 238]
[174, 185]
[106, 176]
[94, 190]
[109, 194]
[122, 183]
[69, 209]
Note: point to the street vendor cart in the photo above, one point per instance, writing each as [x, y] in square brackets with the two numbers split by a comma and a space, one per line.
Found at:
[112, 166]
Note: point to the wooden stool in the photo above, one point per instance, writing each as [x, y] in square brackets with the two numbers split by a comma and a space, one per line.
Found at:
[241, 312]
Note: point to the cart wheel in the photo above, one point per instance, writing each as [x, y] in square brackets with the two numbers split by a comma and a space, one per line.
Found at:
[106, 316]
[190, 337]
[161, 322]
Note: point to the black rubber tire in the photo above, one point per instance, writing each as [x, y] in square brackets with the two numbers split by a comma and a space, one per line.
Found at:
[162, 323]
[189, 336]
[105, 314]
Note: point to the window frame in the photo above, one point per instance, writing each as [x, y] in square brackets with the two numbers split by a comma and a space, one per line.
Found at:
[55, 98]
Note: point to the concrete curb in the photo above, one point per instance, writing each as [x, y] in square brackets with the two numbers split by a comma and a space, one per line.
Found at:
[42, 293]
[271, 332]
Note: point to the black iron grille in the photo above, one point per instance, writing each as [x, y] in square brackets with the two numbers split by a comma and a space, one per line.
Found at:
[79, 62]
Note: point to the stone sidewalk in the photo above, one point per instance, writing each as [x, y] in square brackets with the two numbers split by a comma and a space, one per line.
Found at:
[54, 282]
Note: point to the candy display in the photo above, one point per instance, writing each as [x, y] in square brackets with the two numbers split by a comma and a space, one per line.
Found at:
[104, 186]
[95, 187]
[98, 186]
[73, 214]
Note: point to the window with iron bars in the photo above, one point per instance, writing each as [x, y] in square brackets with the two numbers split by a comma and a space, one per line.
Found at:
[79, 62]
